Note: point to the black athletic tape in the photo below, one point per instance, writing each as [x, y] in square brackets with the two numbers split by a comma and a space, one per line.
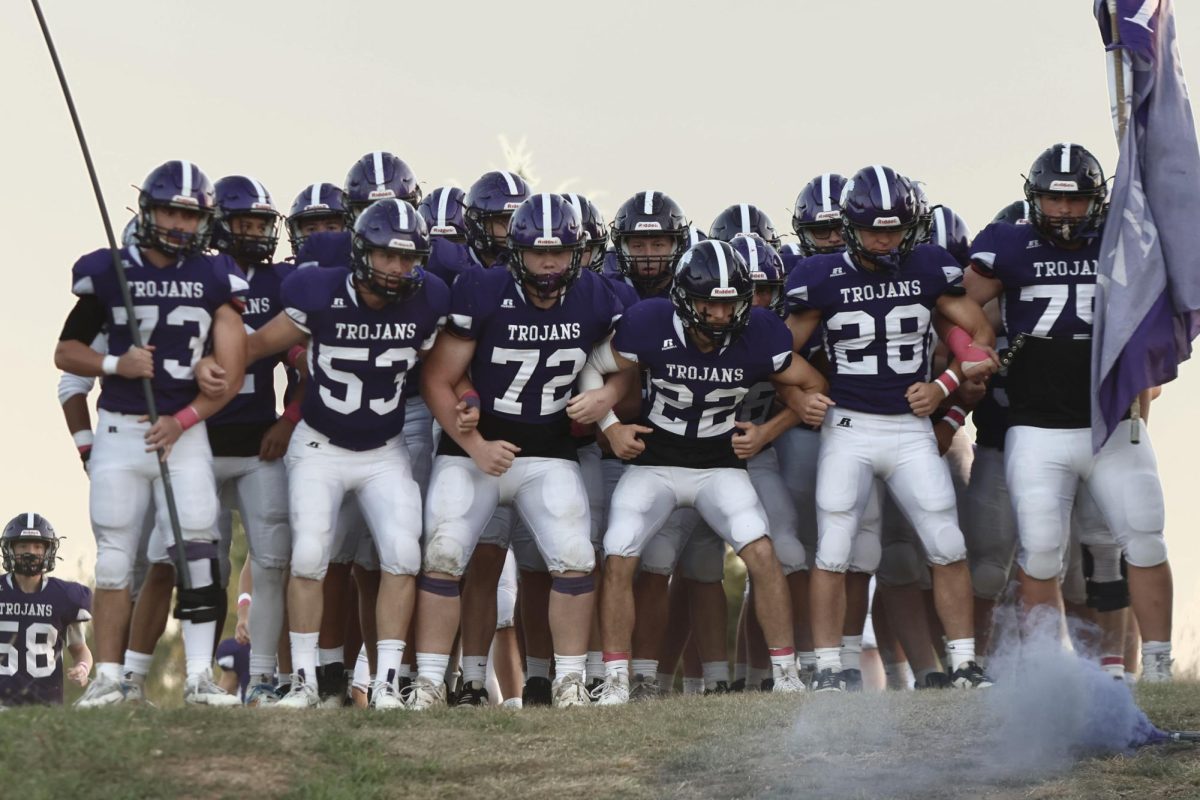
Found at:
[574, 586]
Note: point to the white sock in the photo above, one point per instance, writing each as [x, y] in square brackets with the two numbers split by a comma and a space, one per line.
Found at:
[474, 669]
[389, 654]
[807, 658]
[617, 667]
[715, 672]
[110, 670]
[1113, 664]
[829, 658]
[362, 670]
[304, 656]
[199, 637]
[262, 668]
[783, 660]
[536, 667]
[644, 667]
[666, 681]
[137, 667]
[851, 652]
[432, 667]
[569, 665]
[739, 671]
[693, 685]
[331, 655]
[899, 676]
[1156, 648]
[595, 665]
[960, 652]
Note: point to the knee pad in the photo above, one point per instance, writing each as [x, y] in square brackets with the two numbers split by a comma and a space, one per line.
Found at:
[1146, 549]
[114, 569]
[900, 564]
[706, 565]
[442, 587]
[309, 558]
[444, 554]
[791, 554]
[835, 540]
[573, 555]
[581, 584]
[1042, 565]
[988, 580]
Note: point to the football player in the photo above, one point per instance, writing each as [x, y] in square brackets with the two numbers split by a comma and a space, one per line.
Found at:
[744, 219]
[378, 175]
[817, 217]
[442, 210]
[37, 615]
[182, 298]
[1046, 273]
[875, 305]
[319, 209]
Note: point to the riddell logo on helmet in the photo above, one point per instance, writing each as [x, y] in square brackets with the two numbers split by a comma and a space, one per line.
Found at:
[401, 244]
[1064, 186]
[185, 200]
[723, 291]
[443, 230]
[885, 222]
[758, 276]
[647, 226]
[826, 215]
[511, 205]
[317, 207]
[380, 194]
[261, 207]
[547, 241]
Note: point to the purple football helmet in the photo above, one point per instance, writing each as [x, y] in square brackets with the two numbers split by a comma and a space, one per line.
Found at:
[175, 184]
[1015, 213]
[492, 198]
[924, 209]
[879, 198]
[243, 196]
[317, 202]
[948, 231]
[767, 269]
[392, 225]
[742, 219]
[442, 210]
[1067, 169]
[595, 228]
[29, 528]
[649, 214]
[818, 210]
[713, 271]
[546, 222]
[379, 175]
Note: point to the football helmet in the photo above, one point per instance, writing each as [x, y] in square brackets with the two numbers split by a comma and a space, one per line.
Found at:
[817, 209]
[317, 201]
[1015, 213]
[379, 175]
[243, 196]
[741, 219]
[1066, 169]
[924, 209]
[595, 228]
[713, 271]
[29, 528]
[495, 196]
[545, 222]
[175, 184]
[948, 231]
[392, 225]
[649, 213]
[879, 197]
[767, 269]
[442, 210]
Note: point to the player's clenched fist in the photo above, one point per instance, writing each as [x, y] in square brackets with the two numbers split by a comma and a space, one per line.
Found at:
[588, 407]
[812, 408]
[136, 362]
[494, 457]
[624, 440]
[923, 398]
[210, 376]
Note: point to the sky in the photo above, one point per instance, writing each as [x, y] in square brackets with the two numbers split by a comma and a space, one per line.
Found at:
[711, 102]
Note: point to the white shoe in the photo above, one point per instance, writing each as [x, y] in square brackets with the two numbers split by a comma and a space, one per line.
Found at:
[103, 691]
[424, 694]
[613, 692]
[789, 683]
[513, 702]
[302, 695]
[261, 695]
[569, 691]
[644, 687]
[1156, 668]
[385, 696]
[135, 693]
[199, 690]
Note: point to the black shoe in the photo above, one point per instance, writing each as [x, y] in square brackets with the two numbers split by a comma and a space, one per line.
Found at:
[852, 680]
[738, 686]
[473, 693]
[721, 688]
[767, 685]
[331, 684]
[936, 680]
[828, 681]
[593, 688]
[970, 676]
[536, 692]
[283, 689]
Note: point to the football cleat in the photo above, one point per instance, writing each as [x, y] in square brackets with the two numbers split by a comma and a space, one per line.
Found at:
[300, 695]
[593, 686]
[424, 694]
[767, 685]
[936, 680]
[199, 690]
[512, 702]
[472, 693]
[135, 693]
[808, 674]
[738, 686]
[537, 692]
[385, 696]
[970, 676]
[103, 691]
[570, 692]
[260, 695]
[332, 685]
[852, 680]
[720, 687]
[788, 683]
[828, 680]
[643, 687]
[1156, 668]
[613, 692]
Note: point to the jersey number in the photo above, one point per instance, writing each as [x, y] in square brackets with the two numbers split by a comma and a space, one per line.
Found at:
[552, 402]
[848, 352]
[716, 419]
[352, 395]
[1056, 297]
[147, 321]
[40, 639]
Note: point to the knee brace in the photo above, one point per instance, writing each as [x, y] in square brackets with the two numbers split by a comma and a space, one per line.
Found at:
[200, 603]
[581, 584]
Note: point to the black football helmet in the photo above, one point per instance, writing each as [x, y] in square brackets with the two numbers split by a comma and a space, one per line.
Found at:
[1015, 213]
[29, 528]
[649, 213]
[1066, 169]
[714, 271]
[743, 219]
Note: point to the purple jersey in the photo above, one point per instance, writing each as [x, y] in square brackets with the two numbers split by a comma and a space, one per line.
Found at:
[448, 259]
[875, 327]
[692, 397]
[255, 403]
[32, 630]
[624, 290]
[359, 357]
[527, 358]
[325, 249]
[174, 307]
[1046, 306]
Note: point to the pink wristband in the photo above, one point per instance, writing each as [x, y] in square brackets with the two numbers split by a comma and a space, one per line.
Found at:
[187, 417]
[295, 354]
[292, 412]
[964, 349]
[955, 417]
[947, 382]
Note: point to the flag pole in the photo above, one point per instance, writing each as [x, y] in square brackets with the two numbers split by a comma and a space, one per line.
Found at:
[183, 576]
[1135, 408]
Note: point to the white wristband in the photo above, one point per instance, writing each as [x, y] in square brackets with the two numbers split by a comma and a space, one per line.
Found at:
[109, 365]
[83, 438]
[609, 420]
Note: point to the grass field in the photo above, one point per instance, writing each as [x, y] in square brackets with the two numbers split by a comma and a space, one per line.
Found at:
[948, 744]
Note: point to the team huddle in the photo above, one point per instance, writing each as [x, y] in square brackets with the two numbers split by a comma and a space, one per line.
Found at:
[516, 443]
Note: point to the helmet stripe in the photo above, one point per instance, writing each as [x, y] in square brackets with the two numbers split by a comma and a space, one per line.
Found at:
[377, 166]
[648, 202]
[885, 187]
[939, 224]
[186, 189]
[752, 251]
[1064, 162]
[259, 189]
[722, 265]
[744, 208]
[512, 184]
[443, 201]
[29, 519]
[576, 203]
[402, 207]
[826, 189]
[1025, 206]
[547, 221]
[314, 194]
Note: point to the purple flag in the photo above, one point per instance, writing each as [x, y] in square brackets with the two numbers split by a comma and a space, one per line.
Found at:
[1148, 286]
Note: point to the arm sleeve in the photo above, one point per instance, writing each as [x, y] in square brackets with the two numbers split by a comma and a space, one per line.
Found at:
[86, 320]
